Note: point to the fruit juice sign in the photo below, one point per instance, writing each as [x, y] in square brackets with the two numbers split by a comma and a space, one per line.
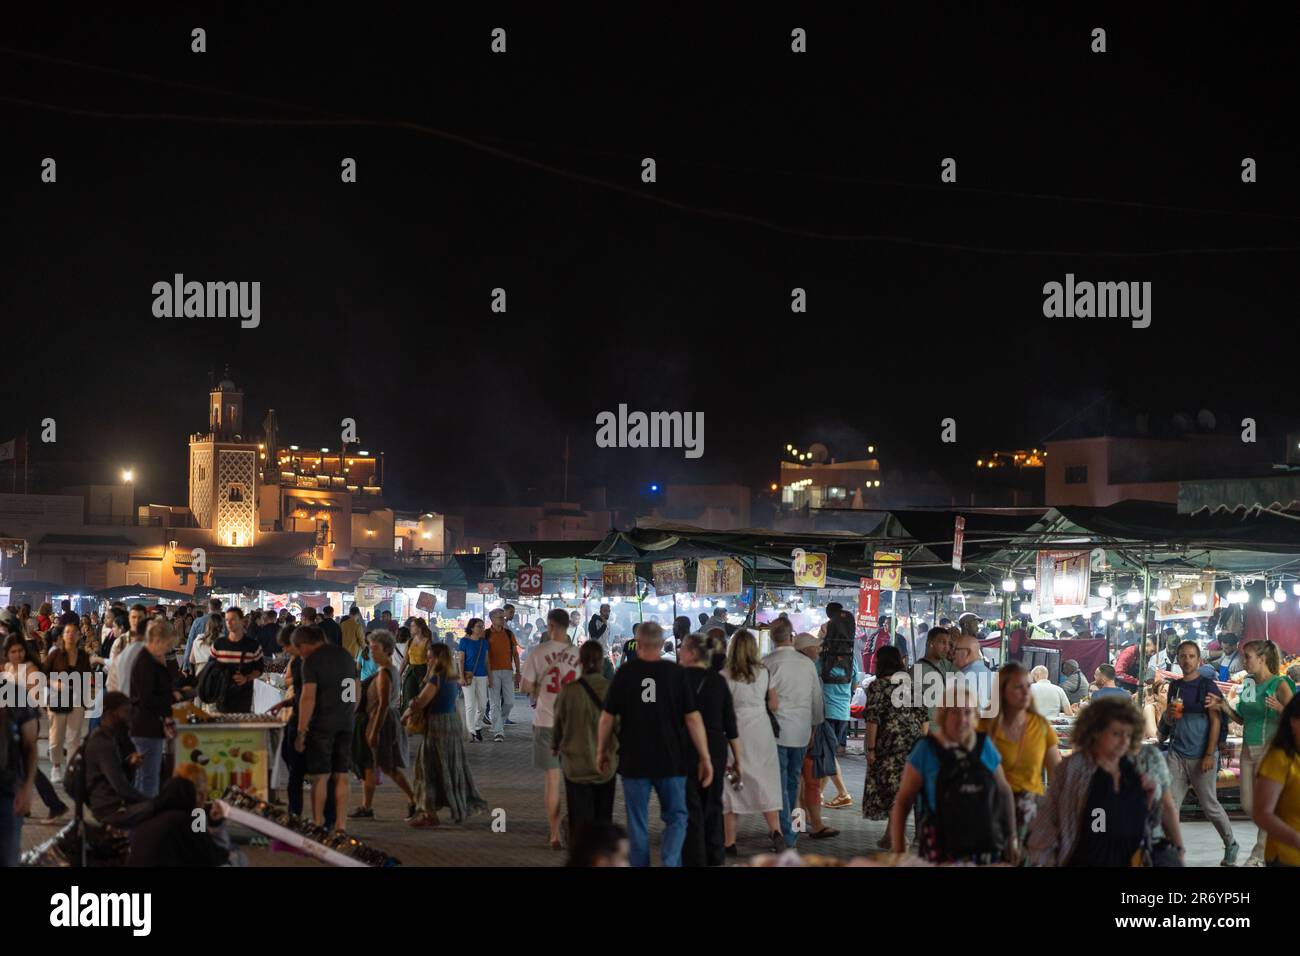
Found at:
[229, 756]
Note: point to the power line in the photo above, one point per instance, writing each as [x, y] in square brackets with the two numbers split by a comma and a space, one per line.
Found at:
[812, 174]
[714, 213]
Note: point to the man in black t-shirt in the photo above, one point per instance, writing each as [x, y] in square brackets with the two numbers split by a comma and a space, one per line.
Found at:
[659, 722]
[326, 712]
[333, 632]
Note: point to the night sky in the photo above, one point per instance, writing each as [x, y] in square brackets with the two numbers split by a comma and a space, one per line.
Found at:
[818, 170]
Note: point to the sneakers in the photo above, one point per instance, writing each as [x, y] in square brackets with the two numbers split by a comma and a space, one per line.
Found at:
[56, 775]
[411, 811]
[509, 721]
[778, 841]
[477, 736]
[1230, 854]
[499, 739]
[487, 722]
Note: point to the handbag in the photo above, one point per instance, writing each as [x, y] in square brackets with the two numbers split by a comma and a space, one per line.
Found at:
[418, 722]
[776, 724]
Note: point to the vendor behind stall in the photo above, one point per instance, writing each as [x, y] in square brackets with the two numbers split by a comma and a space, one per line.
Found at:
[240, 655]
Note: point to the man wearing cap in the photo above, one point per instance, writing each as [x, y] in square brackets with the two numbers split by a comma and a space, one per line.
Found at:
[794, 678]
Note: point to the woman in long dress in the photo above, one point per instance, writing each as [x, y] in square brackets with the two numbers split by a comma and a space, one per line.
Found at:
[760, 774]
[442, 775]
[891, 734]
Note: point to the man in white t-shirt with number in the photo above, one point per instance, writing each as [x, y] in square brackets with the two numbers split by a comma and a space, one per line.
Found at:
[549, 667]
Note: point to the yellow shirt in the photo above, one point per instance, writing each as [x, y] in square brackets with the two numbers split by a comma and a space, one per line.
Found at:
[1280, 768]
[1023, 759]
[417, 653]
[354, 637]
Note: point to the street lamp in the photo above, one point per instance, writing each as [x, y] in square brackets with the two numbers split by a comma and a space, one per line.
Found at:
[128, 475]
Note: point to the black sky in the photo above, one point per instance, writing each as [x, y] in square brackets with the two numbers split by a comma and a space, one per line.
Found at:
[375, 296]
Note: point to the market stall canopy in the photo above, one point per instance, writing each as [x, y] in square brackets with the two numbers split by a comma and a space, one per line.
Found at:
[123, 591]
[275, 585]
[765, 554]
[46, 587]
[1271, 493]
[1220, 533]
[926, 537]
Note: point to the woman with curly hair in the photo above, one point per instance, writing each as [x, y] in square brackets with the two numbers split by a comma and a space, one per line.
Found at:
[1098, 781]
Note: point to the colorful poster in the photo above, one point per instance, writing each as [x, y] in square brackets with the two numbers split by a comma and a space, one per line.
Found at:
[487, 587]
[670, 577]
[230, 756]
[719, 576]
[455, 599]
[529, 580]
[809, 570]
[619, 580]
[426, 601]
[958, 538]
[868, 602]
[1062, 580]
[887, 568]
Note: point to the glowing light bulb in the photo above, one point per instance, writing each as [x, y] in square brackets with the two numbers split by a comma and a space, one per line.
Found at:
[1008, 584]
[1105, 590]
[1268, 605]
[1279, 595]
[1134, 596]
[1164, 594]
[1199, 599]
[1029, 584]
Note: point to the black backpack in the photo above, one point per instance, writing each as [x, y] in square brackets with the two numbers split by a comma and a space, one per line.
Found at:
[970, 822]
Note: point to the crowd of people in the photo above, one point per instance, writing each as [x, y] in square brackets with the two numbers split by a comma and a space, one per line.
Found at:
[699, 717]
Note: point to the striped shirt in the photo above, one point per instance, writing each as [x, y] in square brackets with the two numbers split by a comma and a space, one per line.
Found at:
[247, 652]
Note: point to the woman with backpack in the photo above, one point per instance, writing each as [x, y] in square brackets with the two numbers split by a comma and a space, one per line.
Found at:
[588, 793]
[1028, 745]
[967, 809]
[1098, 781]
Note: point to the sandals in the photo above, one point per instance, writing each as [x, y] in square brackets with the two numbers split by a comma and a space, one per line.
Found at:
[423, 822]
[824, 833]
[839, 803]
[362, 813]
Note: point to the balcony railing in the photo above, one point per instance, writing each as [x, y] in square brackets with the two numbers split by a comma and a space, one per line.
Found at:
[127, 521]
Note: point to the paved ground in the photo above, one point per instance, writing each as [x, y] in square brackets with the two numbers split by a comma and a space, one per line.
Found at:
[506, 779]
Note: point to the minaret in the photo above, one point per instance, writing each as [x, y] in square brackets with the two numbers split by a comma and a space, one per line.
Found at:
[224, 471]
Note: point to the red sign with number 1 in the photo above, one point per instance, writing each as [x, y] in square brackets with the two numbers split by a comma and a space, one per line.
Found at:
[868, 602]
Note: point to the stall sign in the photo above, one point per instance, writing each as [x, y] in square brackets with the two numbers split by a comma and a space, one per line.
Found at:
[619, 580]
[455, 599]
[670, 577]
[868, 602]
[487, 587]
[1063, 579]
[426, 601]
[958, 538]
[529, 580]
[230, 756]
[809, 570]
[887, 567]
[719, 576]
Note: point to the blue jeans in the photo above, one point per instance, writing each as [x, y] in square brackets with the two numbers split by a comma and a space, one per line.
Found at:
[150, 769]
[790, 760]
[672, 810]
[11, 831]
